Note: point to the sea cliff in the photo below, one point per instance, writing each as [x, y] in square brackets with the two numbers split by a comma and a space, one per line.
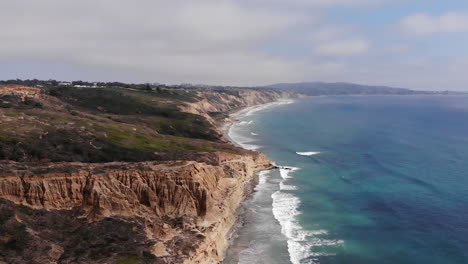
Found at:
[186, 208]
[169, 207]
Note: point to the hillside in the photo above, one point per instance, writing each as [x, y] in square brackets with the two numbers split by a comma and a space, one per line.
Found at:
[322, 88]
[59, 123]
[120, 173]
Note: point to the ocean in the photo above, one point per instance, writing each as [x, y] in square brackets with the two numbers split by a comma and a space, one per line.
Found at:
[362, 179]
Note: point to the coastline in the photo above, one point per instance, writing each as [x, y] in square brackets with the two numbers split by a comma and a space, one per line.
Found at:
[231, 120]
[327, 225]
[274, 234]
[250, 187]
[179, 186]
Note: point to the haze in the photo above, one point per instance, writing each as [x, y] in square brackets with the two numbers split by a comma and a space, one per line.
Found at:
[417, 44]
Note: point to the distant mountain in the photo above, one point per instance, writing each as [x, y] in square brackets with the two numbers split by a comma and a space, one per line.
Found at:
[341, 88]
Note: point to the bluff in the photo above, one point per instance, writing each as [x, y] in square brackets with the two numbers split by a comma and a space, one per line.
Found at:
[212, 104]
[85, 180]
[183, 209]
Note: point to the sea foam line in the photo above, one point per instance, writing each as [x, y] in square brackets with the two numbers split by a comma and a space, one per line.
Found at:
[285, 205]
[246, 122]
[255, 109]
[239, 138]
[285, 210]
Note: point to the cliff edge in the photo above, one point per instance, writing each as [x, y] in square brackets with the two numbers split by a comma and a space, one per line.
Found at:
[182, 210]
[84, 181]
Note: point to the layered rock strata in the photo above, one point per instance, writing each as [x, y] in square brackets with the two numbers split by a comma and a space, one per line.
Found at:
[181, 210]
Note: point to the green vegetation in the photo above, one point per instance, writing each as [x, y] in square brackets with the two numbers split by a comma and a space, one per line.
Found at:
[108, 122]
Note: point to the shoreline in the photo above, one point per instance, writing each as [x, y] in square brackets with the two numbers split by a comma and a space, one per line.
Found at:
[231, 120]
[284, 205]
[249, 188]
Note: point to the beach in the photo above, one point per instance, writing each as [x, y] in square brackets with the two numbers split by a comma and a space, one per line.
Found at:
[256, 215]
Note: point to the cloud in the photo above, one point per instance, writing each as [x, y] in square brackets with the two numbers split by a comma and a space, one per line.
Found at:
[342, 48]
[326, 3]
[332, 33]
[424, 24]
[231, 42]
[174, 41]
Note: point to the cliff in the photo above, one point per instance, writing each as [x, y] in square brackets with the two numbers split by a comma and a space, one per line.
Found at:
[186, 208]
[215, 106]
[121, 175]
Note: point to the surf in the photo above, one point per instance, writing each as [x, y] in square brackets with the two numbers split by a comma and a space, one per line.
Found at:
[310, 153]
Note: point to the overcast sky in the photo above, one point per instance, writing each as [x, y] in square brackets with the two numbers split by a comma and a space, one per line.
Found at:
[419, 44]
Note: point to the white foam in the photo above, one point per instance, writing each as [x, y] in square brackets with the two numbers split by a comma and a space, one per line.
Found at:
[285, 205]
[249, 146]
[310, 153]
[253, 134]
[287, 187]
[262, 177]
[285, 172]
[251, 110]
[246, 122]
[285, 210]
[235, 132]
[241, 140]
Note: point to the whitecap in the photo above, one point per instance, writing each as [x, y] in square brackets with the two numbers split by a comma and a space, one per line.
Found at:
[310, 153]
[285, 172]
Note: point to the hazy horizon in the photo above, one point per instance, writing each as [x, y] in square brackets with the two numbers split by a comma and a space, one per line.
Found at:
[412, 44]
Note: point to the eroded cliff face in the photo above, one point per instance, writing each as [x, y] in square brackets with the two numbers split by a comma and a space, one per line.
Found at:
[181, 210]
[214, 102]
[19, 90]
[63, 201]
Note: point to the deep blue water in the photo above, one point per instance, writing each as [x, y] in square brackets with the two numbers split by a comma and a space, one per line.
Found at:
[389, 184]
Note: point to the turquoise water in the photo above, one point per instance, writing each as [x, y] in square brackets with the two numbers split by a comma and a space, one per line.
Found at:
[385, 181]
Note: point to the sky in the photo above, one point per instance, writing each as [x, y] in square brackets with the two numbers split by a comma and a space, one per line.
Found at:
[417, 44]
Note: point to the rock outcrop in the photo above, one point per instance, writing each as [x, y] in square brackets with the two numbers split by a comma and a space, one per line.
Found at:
[21, 91]
[186, 208]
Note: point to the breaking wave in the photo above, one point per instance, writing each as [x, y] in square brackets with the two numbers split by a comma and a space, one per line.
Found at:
[310, 153]
[285, 210]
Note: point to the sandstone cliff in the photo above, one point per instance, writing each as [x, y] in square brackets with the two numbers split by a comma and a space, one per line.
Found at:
[212, 102]
[121, 173]
[185, 208]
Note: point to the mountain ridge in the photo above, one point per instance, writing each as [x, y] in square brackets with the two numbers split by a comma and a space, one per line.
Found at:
[343, 88]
